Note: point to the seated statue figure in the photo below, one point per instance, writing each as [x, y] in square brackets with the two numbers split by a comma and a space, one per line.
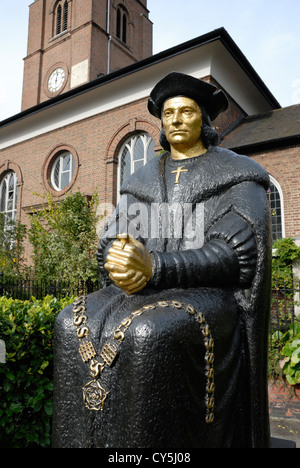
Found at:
[172, 351]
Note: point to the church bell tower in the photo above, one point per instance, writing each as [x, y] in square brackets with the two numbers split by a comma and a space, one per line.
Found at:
[71, 42]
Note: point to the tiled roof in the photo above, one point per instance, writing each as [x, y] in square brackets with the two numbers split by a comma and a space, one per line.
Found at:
[278, 125]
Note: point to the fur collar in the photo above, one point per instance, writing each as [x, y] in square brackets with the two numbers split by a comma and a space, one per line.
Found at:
[219, 169]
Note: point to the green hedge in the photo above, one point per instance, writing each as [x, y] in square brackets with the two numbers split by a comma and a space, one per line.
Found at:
[26, 377]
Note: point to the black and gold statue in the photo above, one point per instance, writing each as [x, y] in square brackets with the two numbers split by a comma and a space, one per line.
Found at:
[172, 352]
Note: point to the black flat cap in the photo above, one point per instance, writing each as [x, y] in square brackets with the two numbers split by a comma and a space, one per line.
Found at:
[178, 84]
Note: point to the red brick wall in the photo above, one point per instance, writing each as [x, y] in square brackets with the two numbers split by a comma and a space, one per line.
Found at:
[231, 117]
[284, 165]
[284, 400]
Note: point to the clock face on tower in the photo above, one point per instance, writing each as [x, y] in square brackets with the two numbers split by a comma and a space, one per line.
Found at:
[56, 80]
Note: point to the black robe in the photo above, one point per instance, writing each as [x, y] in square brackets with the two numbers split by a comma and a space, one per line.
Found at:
[157, 384]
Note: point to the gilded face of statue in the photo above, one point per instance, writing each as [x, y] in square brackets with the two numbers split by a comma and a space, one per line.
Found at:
[182, 121]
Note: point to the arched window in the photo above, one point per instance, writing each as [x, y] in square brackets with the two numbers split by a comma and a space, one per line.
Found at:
[62, 171]
[119, 23]
[61, 16]
[135, 153]
[277, 210]
[8, 195]
[58, 19]
[65, 17]
[122, 23]
[124, 28]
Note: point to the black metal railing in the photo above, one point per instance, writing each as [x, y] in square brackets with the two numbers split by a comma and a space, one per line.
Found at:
[284, 301]
[24, 289]
[285, 308]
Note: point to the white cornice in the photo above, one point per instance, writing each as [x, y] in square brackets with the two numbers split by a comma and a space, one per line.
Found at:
[212, 58]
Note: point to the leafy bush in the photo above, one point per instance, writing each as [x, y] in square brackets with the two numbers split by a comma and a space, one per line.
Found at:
[291, 361]
[26, 377]
[64, 239]
[286, 252]
[284, 283]
[12, 235]
[288, 346]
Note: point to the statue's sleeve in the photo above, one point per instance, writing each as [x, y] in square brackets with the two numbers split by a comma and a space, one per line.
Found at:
[227, 258]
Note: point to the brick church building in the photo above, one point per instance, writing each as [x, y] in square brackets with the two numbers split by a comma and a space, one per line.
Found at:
[84, 123]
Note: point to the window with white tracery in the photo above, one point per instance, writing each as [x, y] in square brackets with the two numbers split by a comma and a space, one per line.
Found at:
[8, 195]
[62, 170]
[135, 153]
[276, 205]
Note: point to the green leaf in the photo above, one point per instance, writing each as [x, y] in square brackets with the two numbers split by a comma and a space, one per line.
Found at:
[295, 359]
[10, 376]
[16, 407]
[291, 380]
[287, 350]
[278, 335]
[48, 408]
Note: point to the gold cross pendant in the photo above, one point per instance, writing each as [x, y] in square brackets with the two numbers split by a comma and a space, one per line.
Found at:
[178, 172]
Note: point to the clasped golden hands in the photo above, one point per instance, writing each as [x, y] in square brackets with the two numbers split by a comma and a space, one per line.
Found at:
[129, 264]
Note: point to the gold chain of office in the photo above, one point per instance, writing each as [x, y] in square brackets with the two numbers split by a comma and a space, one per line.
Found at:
[94, 395]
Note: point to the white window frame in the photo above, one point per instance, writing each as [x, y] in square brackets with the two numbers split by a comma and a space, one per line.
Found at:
[130, 145]
[276, 184]
[59, 161]
[11, 213]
